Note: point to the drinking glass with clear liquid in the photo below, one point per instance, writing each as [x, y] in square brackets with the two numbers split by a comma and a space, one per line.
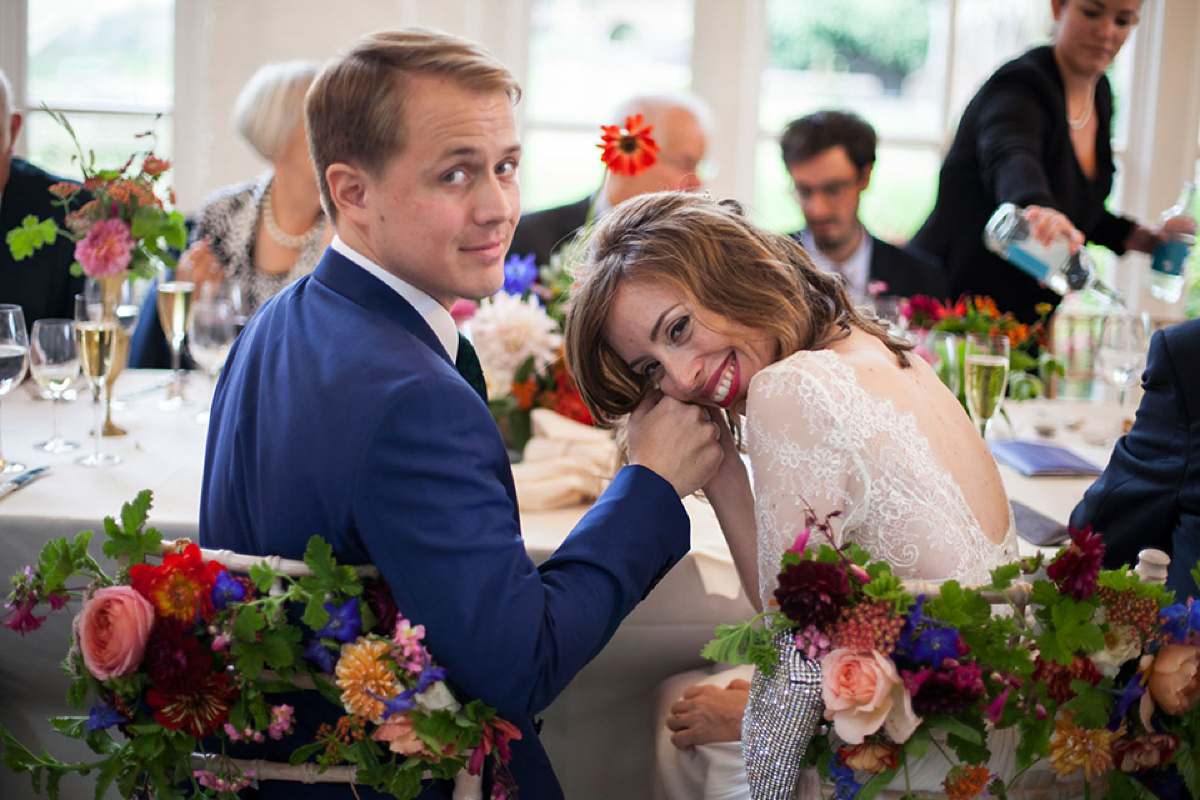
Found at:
[1121, 353]
[174, 314]
[986, 376]
[14, 357]
[96, 340]
[54, 364]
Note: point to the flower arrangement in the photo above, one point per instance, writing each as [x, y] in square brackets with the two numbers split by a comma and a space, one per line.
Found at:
[122, 229]
[1030, 362]
[184, 657]
[1099, 674]
[628, 150]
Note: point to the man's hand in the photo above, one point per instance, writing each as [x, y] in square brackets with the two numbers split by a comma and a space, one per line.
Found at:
[678, 441]
[709, 714]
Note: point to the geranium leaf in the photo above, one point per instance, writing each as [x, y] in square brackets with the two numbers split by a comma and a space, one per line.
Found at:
[733, 643]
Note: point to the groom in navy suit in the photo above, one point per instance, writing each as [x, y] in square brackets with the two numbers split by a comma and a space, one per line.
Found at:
[1149, 495]
[345, 408]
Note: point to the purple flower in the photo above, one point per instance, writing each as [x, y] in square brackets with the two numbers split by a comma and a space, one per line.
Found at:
[405, 701]
[519, 273]
[344, 624]
[103, 717]
[320, 655]
[1131, 694]
[226, 590]
[1175, 621]
[845, 787]
[935, 646]
[429, 676]
[1076, 568]
[995, 708]
[21, 617]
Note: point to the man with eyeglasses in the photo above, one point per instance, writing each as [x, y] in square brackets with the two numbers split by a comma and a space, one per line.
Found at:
[829, 156]
[681, 127]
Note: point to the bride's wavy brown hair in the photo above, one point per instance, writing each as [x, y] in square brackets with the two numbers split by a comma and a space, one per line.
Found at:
[725, 265]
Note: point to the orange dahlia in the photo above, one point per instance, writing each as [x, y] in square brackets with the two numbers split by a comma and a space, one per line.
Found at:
[630, 150]
[362, 674]
[1073, 748]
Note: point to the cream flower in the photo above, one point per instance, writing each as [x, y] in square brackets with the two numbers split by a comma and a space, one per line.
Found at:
[437, 697]
[507, 330]
[1121, 644]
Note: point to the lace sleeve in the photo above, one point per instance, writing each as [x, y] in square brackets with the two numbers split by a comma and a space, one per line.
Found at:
[802, 456]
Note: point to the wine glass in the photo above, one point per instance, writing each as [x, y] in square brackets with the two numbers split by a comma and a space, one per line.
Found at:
[96, 339]
[174, 314]
[1121, 351]
[986, 371]
[942, 350]
[211, 335]
[14, 357]
[54, 364]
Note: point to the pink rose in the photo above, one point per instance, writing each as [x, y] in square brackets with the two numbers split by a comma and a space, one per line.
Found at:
[401, 738]
[1174, 678]
[863, 692]
[112, 629]
[106, 248]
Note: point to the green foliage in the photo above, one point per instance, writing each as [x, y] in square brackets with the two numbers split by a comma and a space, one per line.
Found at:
[131, 540]
[32, 235]
[747, 642]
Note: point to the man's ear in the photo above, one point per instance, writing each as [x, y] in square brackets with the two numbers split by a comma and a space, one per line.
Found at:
[14, 122]
[348, 186]
[864, 178]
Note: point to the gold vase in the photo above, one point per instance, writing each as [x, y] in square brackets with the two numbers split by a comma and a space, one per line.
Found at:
[111, 288]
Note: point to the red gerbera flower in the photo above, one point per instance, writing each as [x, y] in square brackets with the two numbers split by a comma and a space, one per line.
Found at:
[180, 587]
[630, 150]
[199, 709]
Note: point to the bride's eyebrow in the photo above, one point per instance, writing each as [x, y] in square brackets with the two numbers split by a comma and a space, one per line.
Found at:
[658, 322]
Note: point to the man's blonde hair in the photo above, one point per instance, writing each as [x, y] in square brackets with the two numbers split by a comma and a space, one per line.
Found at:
[355, 108]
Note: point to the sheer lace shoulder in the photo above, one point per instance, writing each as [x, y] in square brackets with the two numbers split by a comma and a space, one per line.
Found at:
[817, 438]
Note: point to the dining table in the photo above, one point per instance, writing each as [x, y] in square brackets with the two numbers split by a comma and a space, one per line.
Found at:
[599, 732]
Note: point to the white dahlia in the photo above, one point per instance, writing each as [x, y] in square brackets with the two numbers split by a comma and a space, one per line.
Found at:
[506, 330]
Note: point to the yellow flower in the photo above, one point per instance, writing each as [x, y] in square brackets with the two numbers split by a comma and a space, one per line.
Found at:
[1073, 748]
[362, 674]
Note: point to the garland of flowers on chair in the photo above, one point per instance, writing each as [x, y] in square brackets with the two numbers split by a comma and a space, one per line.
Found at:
[191, 650]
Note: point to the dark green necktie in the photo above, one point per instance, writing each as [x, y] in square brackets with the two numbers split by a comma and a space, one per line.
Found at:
[467, 364]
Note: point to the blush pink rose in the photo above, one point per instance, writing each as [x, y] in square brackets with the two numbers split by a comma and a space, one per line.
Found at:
[863, 692]
[106, 248]
[1174, 678]
[400, 737]
[112, 629]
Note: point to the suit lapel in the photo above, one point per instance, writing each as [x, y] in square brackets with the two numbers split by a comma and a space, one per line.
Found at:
[343, 276]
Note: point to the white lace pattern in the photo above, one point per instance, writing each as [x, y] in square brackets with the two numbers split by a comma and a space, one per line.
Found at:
[816, 436]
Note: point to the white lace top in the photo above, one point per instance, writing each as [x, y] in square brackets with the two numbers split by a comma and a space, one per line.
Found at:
[815, 435]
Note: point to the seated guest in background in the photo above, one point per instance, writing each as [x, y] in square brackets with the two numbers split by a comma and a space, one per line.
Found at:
[42, 283]
[1036, 134]
[350, 408]
[682, 123]
[254, 238]
[1149, 495]
[829, 156]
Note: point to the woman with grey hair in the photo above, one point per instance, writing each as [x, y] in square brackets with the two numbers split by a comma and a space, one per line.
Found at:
[259, 236]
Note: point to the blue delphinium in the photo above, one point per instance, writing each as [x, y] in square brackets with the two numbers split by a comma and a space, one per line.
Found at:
[519, 273]
[345, 623]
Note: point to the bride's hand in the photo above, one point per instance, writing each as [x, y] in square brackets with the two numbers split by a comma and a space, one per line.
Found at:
[731, 475]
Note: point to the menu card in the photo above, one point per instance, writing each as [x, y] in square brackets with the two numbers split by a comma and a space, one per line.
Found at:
[1038, 459]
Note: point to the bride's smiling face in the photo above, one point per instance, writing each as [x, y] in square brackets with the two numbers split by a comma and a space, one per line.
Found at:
[694, 355]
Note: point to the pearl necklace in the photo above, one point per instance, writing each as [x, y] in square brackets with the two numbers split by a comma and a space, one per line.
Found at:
[1086, 116]
[281, 237]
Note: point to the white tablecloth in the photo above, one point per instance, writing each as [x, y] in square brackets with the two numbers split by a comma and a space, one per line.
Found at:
[599, 732]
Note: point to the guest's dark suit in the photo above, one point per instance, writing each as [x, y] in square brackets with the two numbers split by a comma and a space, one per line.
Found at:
[905, 272]
[41, 284]
[1013, 145]
[1149, 495]
[545, 232]
[339, 414]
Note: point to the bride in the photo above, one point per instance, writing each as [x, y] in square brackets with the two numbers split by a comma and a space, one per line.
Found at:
[680, 294]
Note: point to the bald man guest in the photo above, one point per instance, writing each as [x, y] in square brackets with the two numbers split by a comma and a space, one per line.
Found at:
[681, 129]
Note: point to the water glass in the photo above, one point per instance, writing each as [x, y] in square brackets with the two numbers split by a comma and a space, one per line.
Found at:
[54, 364]
[14, 358]
[1121, 352]
[96, 339]
[212, 333]
[986, 374]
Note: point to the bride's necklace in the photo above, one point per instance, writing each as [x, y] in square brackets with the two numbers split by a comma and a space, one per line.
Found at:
[1085, 117]
[282, 237]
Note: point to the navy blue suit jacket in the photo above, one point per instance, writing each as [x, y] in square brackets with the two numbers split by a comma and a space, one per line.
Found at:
[1149, 495]
[339, 414]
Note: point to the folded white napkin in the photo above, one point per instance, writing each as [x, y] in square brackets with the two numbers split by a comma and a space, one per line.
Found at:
[565, 463]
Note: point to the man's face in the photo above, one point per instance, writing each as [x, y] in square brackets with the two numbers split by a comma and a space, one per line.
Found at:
[682, 145]
[442, 213]
[827, 187]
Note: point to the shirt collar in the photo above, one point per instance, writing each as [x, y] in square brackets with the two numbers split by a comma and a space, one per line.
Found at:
[433, 312]
[856, 270]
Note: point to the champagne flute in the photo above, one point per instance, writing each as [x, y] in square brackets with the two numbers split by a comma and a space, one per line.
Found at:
[211, 335]
[1121, 353]
[986, 376]
[54, 364]
[14, 357]
[174, 314]
[96, 339]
